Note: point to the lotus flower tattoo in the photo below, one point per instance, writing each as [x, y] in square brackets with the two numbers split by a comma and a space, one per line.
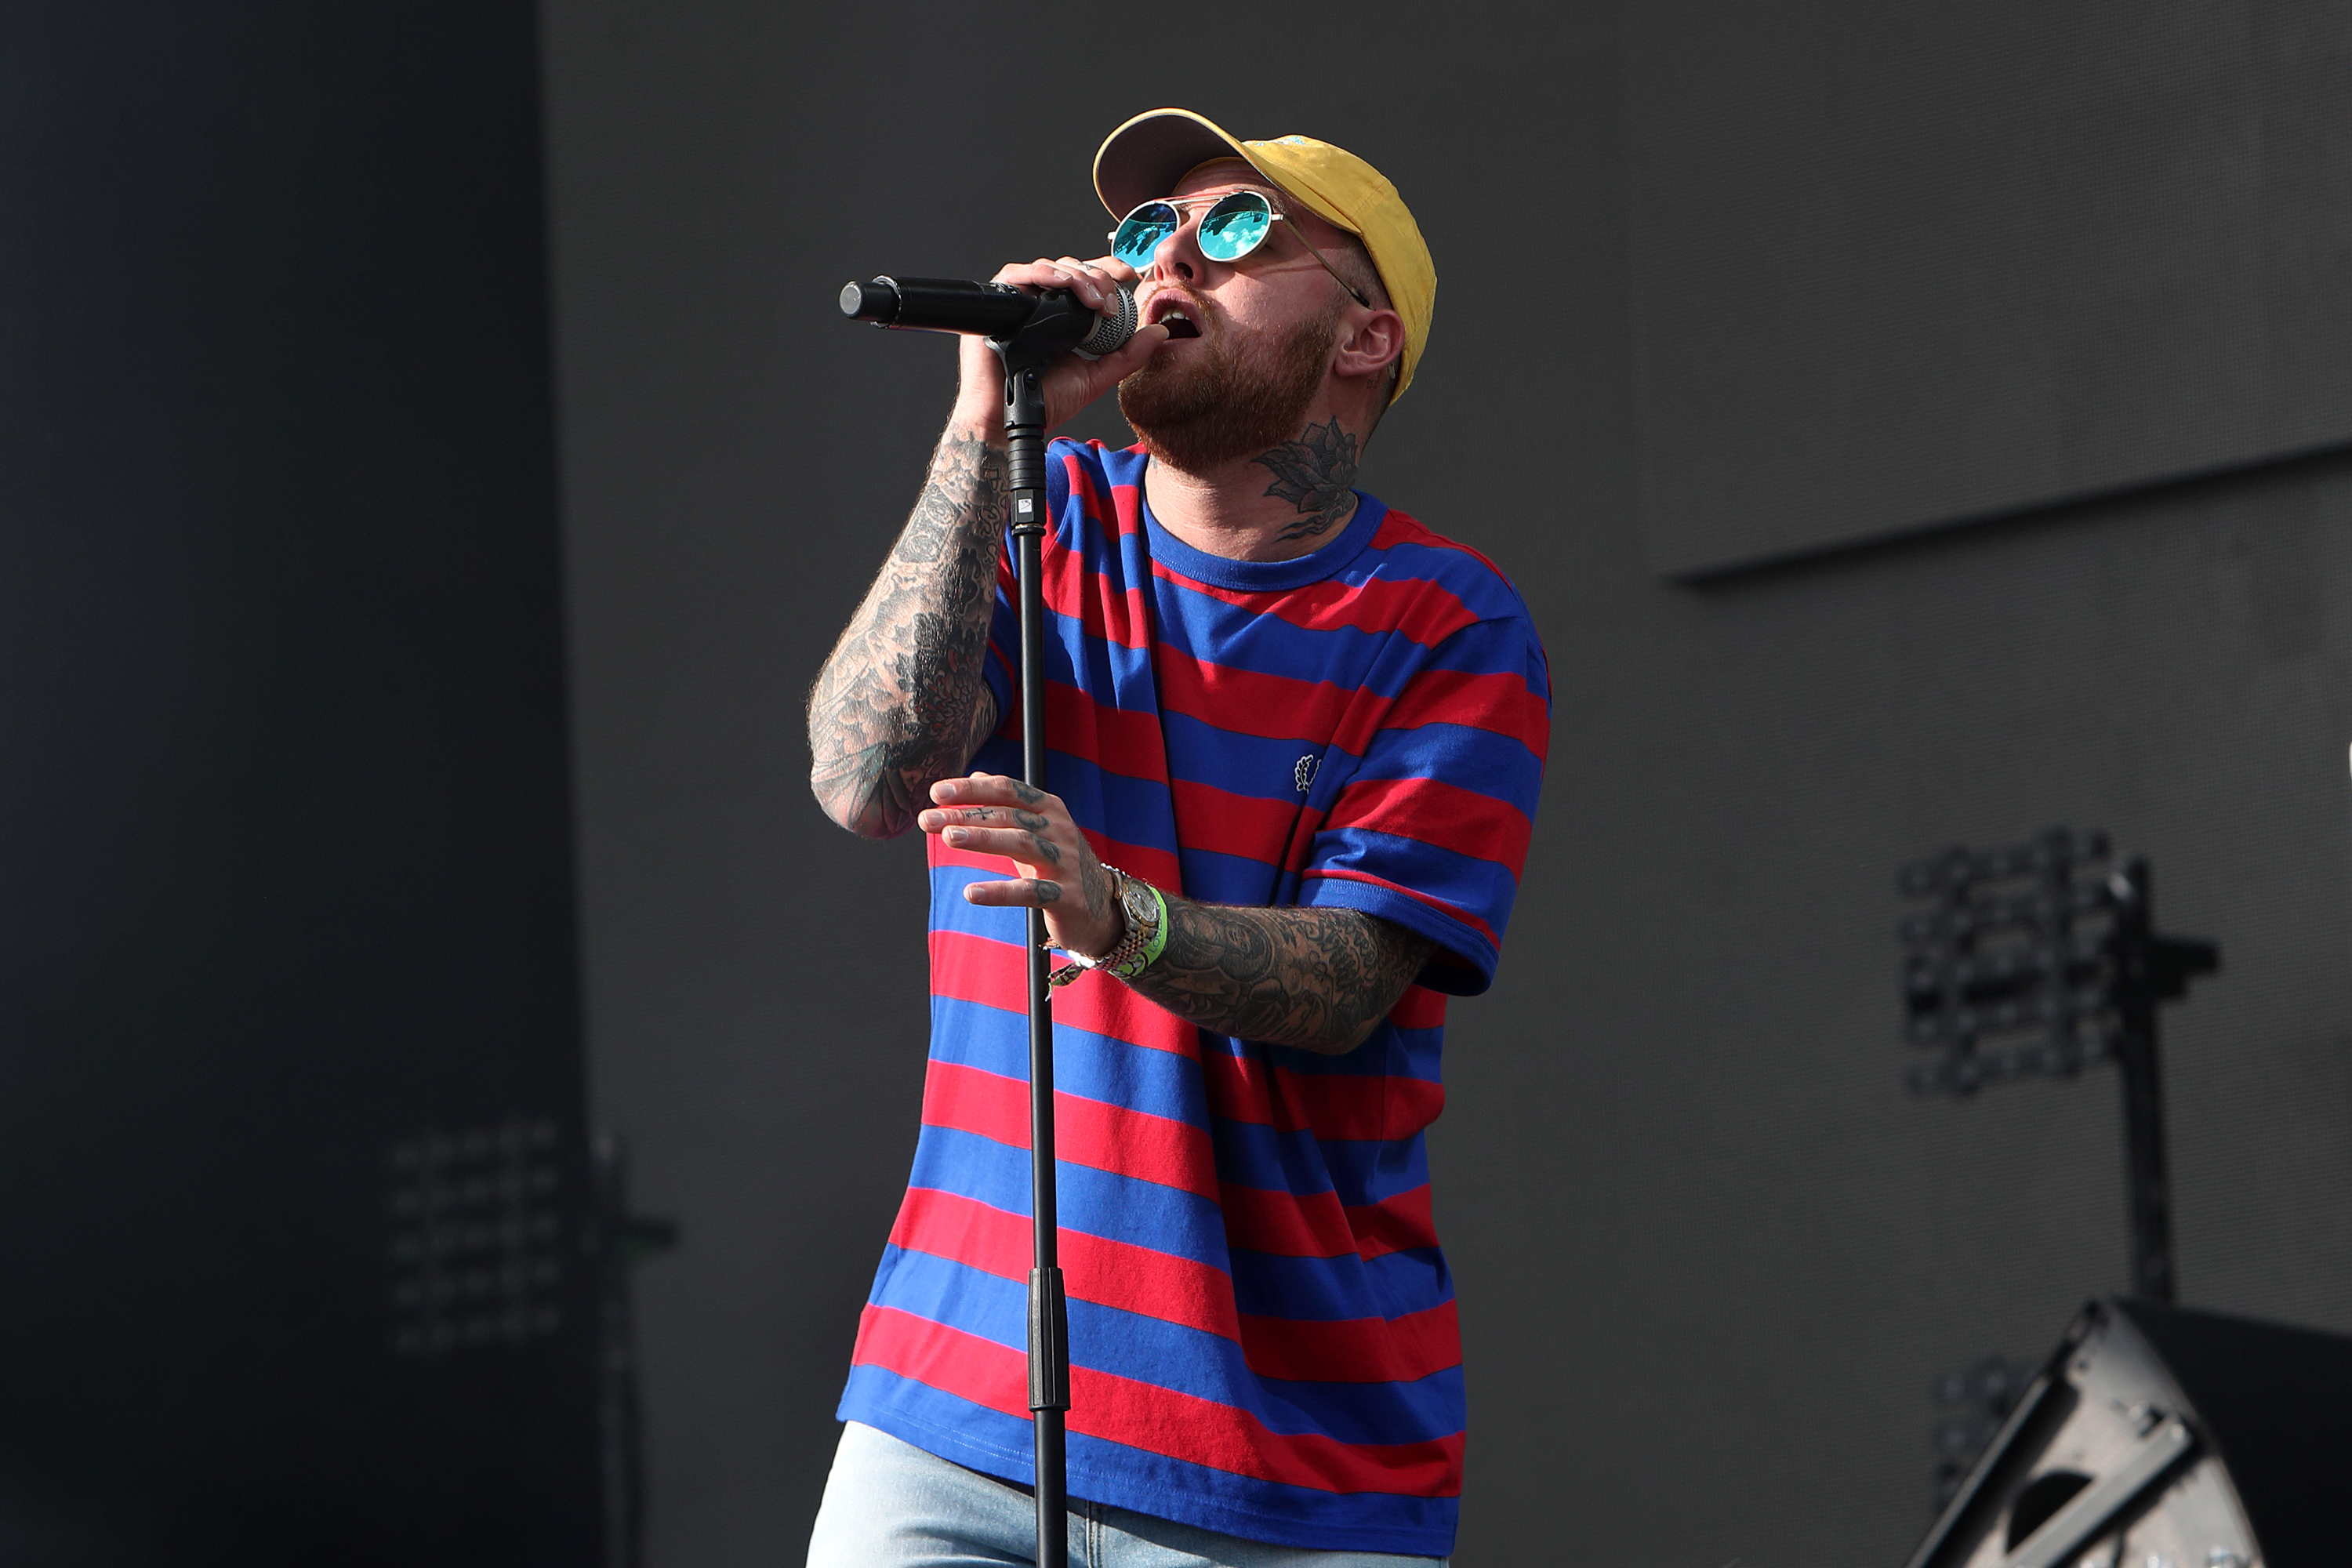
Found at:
[1315, 473]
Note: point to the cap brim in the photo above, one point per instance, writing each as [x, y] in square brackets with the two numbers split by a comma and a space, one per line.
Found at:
[1144, 158]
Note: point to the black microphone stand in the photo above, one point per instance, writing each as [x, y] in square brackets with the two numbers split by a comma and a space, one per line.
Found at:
[1049, 1312]
[1028, 332]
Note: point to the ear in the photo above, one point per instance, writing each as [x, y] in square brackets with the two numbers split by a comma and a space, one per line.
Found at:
[1367, 343]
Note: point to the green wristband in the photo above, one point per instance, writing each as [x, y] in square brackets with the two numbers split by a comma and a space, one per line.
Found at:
[1154, 948]
[1159, 942]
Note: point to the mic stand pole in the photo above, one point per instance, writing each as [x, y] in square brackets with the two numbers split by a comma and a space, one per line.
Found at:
[1049, 1312]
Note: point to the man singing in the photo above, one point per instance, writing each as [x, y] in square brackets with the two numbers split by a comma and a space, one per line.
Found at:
[1296, 740]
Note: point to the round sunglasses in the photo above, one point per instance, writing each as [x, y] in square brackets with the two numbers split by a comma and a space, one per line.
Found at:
[1232, 227]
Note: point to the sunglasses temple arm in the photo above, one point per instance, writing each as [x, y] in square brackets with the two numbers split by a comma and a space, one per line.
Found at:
[1334, 271]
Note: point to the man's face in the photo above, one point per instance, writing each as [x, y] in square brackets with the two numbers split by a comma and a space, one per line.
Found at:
[1265, 328]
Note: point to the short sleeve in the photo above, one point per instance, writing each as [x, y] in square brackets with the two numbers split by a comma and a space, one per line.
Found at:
[1431, 827]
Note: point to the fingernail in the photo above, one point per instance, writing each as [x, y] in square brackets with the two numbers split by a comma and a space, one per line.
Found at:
[956, 835]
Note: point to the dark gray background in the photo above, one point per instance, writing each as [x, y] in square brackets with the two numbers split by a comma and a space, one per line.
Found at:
[1709, 1255]
[286, 848]
[1894, 266]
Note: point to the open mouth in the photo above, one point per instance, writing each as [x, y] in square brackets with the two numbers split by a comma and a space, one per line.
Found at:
[1170, 310]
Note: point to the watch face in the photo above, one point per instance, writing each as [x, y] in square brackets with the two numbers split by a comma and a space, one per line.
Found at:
[1140, 910]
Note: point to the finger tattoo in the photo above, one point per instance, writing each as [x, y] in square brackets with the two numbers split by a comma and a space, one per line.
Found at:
[1048, 892]
[1047, 850]
[1030, 820]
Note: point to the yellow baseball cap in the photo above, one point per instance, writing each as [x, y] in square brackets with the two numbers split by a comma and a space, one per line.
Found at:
[1144, 158]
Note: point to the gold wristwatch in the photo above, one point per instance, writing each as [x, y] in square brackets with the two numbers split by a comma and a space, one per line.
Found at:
[1141, 907]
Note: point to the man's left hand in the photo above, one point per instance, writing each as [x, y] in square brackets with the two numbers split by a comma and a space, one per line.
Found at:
[989, 813]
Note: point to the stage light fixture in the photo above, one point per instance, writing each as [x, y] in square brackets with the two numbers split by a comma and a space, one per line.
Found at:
[2039, 958]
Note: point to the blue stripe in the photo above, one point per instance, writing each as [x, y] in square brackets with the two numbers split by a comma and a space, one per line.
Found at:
[1086, 1064]
[1389, 1052]
[1462, 880]
[1095, 1202]
[996, 1444]
[1213, 632]
[1219, 879]
[1175, 1356]
[1333, 1289]
[1239, 764]
[1117, 676]
[1482, 591]
[1361, 1171]
[1484, 762]
[1132, 810]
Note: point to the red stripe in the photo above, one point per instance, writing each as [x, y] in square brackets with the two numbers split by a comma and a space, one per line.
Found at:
[1138, 1280]
[1360, 1350]
[1157, 1420]
[990, 974]
[1344, 874]
[1421, 1008]
[1287, 1225]
[1088, 1132]
[1500, 704]
[1421, 608]
[1374, 1106]
[1273, 707]
[1090, 599]
[1397, 1224]
[1123, 741]
[1225, 823]
[1429, 811]
[1112, 506]
[1313, 1224]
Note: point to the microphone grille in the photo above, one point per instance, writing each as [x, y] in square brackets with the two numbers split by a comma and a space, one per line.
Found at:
[1111, 330]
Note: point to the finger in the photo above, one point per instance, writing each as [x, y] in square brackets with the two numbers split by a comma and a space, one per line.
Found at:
[1038, 274]
[1020, 844]
[937, 819]
[1118, 270]
[1130, 356]
[993, 789]
[1087, 283]
[1029, 893]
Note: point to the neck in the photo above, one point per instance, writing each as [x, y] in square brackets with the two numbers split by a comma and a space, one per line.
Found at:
[1276, 506]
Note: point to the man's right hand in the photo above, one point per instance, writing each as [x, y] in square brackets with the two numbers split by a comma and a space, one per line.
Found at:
[1071, 383]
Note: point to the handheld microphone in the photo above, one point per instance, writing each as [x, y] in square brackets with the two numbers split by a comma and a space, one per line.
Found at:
[1046, 323]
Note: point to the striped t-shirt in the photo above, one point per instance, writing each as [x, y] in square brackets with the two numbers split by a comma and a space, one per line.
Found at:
[1262, 1325]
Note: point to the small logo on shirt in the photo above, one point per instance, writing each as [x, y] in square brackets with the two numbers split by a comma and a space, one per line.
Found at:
[1303, 773]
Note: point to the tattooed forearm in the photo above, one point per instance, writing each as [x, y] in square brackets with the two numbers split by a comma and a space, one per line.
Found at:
[1317, 472]
[901, 703]
[1317, 978]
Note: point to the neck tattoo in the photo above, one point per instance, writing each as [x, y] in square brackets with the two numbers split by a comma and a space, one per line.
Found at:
[1318, 473]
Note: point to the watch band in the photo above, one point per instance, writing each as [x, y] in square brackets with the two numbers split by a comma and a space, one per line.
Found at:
[1139, 943]
[1154, 935]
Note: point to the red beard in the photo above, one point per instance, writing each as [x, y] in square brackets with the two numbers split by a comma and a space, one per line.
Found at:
[1230, 404]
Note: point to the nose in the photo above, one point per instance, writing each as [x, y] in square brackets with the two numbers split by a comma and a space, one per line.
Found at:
[1179, 256]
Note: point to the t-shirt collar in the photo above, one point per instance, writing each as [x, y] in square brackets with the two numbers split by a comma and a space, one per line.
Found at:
[1324, 561]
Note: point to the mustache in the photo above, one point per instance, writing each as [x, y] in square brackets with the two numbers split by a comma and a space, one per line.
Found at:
[1194, 301]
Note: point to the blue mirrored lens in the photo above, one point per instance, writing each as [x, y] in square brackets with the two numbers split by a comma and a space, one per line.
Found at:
[1235, 226]
[1142, 232]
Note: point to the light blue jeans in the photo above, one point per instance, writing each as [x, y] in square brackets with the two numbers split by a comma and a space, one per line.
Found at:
[889, 1504]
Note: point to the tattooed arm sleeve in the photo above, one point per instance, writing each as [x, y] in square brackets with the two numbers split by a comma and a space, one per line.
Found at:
[901, 703]
[1322, 979]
